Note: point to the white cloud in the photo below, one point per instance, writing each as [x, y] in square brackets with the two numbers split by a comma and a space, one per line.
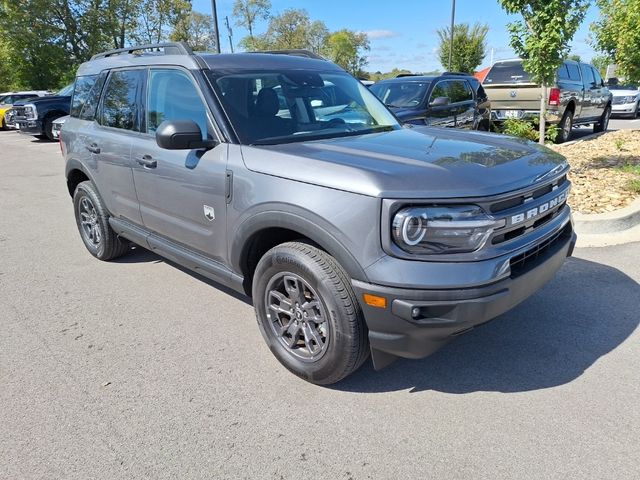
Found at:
[377, 34]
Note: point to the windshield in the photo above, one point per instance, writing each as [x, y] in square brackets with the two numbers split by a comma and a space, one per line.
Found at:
[66, 91]
[507, 72]
[401, 94]
[272, 107]
[5, 99]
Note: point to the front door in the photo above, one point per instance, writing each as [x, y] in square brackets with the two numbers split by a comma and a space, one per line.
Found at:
[181, 192]
[440, 115]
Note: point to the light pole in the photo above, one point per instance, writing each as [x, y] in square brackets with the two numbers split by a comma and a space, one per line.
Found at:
[226, 21]
[453, 19]
[214, 13]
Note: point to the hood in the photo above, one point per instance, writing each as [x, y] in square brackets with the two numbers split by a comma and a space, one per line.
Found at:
[46, 100]
[625, 93]
[421, 162]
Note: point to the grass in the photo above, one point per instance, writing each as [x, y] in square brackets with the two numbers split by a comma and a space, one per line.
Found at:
[631, 168]
[634, 185]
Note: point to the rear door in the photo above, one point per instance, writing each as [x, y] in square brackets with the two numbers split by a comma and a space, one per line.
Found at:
[182, 192]
[590, 103]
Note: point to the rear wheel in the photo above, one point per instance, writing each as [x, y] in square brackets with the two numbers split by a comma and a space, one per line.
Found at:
[308, 313]
[48, 129]
[565, 126]
[92, 220]
[603, 124]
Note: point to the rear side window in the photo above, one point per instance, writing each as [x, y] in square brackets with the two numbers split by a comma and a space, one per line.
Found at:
[86, 95]
[119, 102]
[573, 72]
[173, 96]
[507, 72]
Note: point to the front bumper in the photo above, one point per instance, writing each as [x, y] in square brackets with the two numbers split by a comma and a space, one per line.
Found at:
[417, 322]
[29, 127]
[624, 110]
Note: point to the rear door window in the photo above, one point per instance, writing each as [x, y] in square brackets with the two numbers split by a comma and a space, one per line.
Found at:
[172, 95]
[120, 100]
[507, 72]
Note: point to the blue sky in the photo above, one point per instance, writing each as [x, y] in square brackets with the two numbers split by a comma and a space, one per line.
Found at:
[402, 33]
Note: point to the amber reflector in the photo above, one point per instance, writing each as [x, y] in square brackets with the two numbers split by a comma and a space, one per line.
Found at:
[375, 300]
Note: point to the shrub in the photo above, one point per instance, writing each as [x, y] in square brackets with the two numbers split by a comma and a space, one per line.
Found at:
[528, 129]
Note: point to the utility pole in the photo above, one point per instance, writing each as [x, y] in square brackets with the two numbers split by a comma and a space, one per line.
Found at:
[453, 20]
[214, 13]
[226, 20]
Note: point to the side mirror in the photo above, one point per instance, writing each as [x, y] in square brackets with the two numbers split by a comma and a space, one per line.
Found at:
[440, 102]
[181, 135]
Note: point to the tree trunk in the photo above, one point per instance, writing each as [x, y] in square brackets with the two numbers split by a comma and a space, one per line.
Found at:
[543, 113]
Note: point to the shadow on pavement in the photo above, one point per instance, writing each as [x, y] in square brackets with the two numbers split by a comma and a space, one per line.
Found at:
[549, 340]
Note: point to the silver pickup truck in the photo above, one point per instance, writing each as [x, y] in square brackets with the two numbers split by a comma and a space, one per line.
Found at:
[578, 97]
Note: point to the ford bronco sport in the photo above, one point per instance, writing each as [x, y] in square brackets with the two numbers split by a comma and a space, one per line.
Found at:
[351, 234]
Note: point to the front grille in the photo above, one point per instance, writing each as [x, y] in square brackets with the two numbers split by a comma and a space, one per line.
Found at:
[20, 113]
[522, 199]
[533, 257]
[618, 100]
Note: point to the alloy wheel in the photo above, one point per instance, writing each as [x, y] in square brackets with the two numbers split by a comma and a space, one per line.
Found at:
[89, 222]
[297, 316]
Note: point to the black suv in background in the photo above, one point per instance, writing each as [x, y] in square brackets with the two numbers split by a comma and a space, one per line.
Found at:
[36, 116]
[449, 100]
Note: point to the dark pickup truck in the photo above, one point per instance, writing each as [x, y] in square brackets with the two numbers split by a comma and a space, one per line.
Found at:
[36, 116]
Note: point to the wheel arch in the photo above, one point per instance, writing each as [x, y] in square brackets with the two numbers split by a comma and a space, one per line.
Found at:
[75, 174]
[263, 231]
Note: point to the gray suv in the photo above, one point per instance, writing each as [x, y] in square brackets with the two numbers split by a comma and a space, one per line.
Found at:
[285, 179]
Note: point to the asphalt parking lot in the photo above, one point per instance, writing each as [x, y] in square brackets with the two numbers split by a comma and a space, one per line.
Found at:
[138, 369]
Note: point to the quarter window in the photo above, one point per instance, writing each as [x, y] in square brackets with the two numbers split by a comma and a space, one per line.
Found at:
[86, 96]
[173, 96]
[119, 103]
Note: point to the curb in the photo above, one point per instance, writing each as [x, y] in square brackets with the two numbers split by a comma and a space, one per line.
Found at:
[610, 222]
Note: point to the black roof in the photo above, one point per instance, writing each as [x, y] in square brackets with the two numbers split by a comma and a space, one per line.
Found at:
[265, 61]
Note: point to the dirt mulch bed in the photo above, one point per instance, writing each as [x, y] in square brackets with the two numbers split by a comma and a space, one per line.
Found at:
[605, 171]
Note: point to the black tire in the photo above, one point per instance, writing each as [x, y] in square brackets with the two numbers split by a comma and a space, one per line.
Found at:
[565, 126]
[48, 129]
[637, 114]
[107, 245]
[603, 124]
[345, 346]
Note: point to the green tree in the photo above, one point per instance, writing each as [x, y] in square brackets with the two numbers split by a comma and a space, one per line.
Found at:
[346, 48]
[469, 47]
[196, 29]
[617, 35]
[573, 56]
[602, 62]
[542, 38]
[157, 17]
[318, 35]
[246, 12]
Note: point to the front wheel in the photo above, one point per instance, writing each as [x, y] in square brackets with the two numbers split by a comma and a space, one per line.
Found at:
[308, 313]
[603, 124]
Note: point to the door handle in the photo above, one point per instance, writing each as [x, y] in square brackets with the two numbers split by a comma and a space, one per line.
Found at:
[93, 148]
[147, 161]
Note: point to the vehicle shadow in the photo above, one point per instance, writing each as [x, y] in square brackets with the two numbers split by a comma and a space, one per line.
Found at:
[142, 255]
[549, 340]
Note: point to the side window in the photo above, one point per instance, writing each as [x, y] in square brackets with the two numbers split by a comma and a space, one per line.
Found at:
[587, 75]
[90, 106]
[440, 90]
[597, 77]
[81, 91]
[119, 102]
[459, 91]
[573, 71]
[173, 96]
[563, 72]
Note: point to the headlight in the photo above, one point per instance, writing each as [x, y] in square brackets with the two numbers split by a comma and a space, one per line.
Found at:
[439, 229]
[630, 99]
[30, 112]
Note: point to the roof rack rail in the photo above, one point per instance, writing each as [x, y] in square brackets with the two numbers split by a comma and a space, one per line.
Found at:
[456, 73]
[169, 48]
[294, 52]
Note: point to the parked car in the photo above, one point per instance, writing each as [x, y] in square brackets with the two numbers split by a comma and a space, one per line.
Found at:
[56, 127]
[626, 100]
[35, 117]
[578, 97]
[7, 100]
[350, 237]
[450, 100]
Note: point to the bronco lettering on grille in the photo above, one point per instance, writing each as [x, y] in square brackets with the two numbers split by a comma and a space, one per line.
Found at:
[538, 211]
